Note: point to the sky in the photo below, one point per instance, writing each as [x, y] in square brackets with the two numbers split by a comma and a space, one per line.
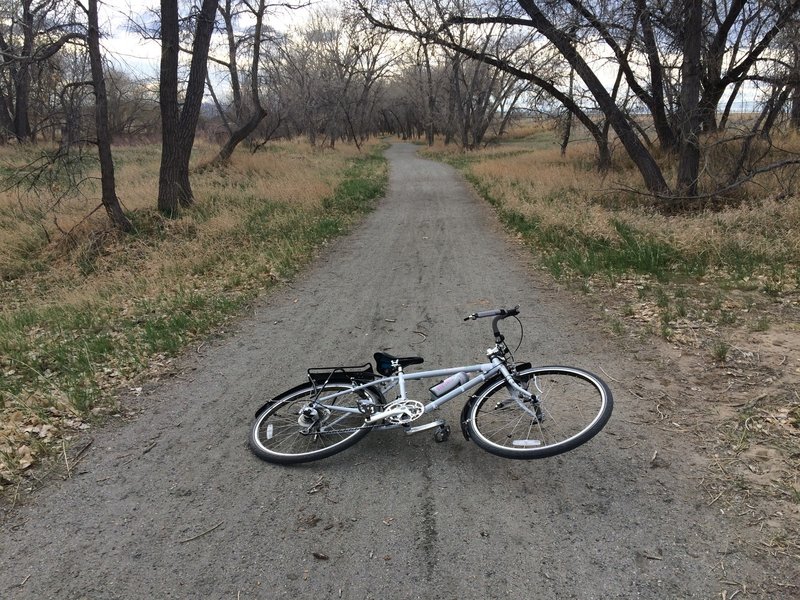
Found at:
[130, 52]
[126, 49]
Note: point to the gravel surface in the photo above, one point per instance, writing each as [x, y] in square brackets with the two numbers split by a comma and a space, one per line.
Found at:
[173, 505]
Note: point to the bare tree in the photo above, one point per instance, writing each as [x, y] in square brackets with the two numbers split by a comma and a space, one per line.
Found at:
[407, 112]
[248, 111]
[30, 35]
[481, 91]
[179, 122]
[132, 105]
[332, 72]
[360, 60]
[107, 179]
[752, 27]
[538, 72]
[74, 134]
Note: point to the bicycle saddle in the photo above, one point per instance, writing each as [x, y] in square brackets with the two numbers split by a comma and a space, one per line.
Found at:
[383, 362]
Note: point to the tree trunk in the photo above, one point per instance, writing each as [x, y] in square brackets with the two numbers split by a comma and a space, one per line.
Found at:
[794, 114]
[22, 78]
[723, 120]
[689, 161]
[238, 136]
[459, 111]
[666, 135]
[22, 125]
[430, 105]
[794, 111]
[775, 107]
[71, 126]
[6, 119]
[233, 69]
[178, 128]
[707, 108]
[174, 189]
[108, 185]
[568, 123]
[168, 100]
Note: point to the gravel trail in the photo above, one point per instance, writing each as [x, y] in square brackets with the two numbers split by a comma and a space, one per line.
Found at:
[173, 504]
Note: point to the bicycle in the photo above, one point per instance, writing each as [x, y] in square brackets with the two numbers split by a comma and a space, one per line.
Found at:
[519, 411]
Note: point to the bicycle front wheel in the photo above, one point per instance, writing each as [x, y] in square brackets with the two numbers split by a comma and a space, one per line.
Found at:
[295, 429]
[568, 408]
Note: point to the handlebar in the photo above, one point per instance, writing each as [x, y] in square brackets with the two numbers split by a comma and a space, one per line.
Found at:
[502, 313]
[499, 314]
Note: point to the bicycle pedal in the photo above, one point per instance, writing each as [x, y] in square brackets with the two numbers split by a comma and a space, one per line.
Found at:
[368, 408]
[425, 427]
[442, 434]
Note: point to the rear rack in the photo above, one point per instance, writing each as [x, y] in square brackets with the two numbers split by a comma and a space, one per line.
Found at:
[322, 375]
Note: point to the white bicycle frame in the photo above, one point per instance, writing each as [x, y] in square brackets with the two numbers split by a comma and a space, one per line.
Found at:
[486, 370]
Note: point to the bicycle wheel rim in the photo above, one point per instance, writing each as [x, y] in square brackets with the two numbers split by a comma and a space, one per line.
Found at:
[277, 435]
[574, 405]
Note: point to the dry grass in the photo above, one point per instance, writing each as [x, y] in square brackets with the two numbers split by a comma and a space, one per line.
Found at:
[85, 310]
[543, 184]
[290, 174]
[530, 178]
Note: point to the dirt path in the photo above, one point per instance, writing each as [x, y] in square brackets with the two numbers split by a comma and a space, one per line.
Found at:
[173, 505]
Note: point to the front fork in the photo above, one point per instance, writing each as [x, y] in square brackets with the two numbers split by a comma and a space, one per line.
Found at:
[524, 399]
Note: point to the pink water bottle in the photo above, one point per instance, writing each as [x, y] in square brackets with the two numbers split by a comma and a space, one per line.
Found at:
[452, 382]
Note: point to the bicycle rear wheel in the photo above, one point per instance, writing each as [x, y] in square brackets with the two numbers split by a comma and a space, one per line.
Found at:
[569, 407]
[293, 429]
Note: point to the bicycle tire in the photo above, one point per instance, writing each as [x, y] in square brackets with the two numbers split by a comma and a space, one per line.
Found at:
[573, 406]
[277, 436]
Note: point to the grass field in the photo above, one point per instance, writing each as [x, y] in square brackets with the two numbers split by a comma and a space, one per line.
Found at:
[87, 311]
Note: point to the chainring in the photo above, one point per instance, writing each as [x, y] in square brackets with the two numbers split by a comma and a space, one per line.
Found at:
[412, 410]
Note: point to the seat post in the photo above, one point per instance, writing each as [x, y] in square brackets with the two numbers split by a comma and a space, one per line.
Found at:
[400, 379]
